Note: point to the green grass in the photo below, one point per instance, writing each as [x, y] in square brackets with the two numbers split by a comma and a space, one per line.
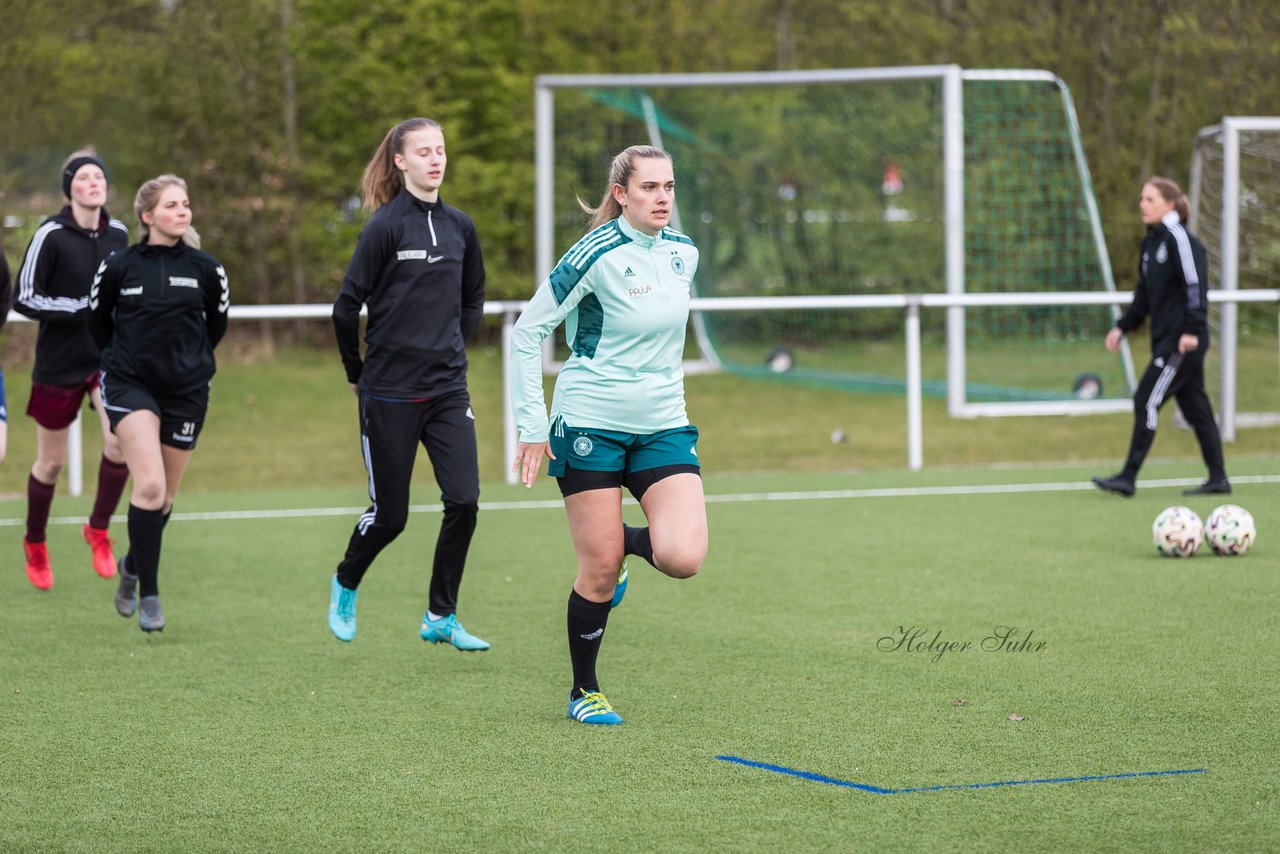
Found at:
[291, 421]
[246, 726]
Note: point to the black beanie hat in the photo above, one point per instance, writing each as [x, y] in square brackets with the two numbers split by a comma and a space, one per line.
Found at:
[75, 166]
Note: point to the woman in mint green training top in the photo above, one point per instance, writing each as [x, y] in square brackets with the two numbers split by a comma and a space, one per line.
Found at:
[618, 415]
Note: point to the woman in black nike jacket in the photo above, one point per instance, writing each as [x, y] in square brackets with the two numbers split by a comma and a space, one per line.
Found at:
[418, 269]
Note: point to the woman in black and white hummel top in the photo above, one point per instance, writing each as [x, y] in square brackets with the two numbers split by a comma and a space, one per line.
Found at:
[53, 289]
[418, 268]
[1173, 290]
[157, 310]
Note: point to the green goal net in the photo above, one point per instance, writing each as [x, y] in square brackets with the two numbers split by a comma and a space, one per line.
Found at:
[799, 188]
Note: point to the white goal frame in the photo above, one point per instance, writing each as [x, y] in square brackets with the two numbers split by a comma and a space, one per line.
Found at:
[952, 78]
[1229, 267]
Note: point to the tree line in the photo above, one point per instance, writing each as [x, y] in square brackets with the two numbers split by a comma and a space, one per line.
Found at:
[271, 108]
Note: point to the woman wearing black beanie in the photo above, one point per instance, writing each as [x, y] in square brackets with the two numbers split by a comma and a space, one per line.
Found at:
[53, 288]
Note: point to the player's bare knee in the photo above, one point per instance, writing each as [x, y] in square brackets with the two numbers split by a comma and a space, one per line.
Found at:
[47, 471]
[598, 575]
[680, 562]
[112, 451]
[149, 493]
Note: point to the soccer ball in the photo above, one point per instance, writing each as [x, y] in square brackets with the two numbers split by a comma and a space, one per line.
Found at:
[1177, 532]
[1230, 530]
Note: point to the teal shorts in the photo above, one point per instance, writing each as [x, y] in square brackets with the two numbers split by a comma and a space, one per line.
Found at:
[588, 449]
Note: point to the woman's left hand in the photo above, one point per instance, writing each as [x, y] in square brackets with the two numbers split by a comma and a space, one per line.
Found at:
[529, 460]
[1188, 343]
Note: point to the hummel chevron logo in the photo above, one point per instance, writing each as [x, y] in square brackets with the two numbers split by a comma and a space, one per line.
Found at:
[628, 272]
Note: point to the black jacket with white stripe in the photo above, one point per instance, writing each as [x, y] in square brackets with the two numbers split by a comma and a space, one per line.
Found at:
[6, 291]
[1172, 288]
[157, 312]
[418, 268]
[53, 288]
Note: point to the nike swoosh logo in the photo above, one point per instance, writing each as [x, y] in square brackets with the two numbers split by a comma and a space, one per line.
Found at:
[431, 259]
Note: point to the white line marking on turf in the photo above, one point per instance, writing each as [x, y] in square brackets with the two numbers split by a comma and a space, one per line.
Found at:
[815, 495]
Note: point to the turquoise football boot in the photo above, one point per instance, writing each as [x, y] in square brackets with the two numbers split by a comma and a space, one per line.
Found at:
[593, 708]
[620, 589]
[449, 630]
[342, 611]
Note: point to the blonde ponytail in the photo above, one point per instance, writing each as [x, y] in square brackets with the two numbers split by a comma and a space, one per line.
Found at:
[620, 172]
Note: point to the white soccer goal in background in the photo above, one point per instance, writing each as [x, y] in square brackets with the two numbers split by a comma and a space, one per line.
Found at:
[864, 182]
[1235, 211]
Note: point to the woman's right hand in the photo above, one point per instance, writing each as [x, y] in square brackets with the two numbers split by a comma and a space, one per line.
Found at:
[529, 461]
[1113, 339]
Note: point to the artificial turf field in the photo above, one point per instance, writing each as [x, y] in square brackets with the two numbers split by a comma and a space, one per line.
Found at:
[245, 725]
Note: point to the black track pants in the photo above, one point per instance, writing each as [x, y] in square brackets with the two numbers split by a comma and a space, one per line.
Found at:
[1180, 376]
[389, 434]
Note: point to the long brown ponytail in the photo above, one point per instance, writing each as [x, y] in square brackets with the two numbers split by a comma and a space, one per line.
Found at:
[382, 181]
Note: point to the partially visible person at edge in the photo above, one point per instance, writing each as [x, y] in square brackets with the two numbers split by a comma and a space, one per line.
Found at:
[6, 296]
[53, 288]
[618, 414]
[1173, 290]
[418, 268]
[157, 310]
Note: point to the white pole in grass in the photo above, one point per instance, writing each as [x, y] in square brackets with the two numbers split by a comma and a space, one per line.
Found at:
[75, 458]
[953, 201]
[508, 417]
[1228, 274]
[915, 421]
[544, 200]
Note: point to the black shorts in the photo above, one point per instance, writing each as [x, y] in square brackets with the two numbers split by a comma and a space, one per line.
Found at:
[181, 416]
[637, 483]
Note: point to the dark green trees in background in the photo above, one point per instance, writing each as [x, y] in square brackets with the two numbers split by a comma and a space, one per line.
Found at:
[270, 108]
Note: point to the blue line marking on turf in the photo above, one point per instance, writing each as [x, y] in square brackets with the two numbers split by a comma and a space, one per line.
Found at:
[879, 790]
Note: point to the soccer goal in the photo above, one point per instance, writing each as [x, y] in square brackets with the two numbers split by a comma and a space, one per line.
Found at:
[1235, 210]
[916, 180]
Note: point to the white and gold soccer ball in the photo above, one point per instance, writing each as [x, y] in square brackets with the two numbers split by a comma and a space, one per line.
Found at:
[1230, 530]
[1177, 532]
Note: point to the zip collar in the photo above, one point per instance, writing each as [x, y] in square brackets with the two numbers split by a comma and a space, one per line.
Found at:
[635, 235]
[161, 250]
[425, 207]
[68, 220]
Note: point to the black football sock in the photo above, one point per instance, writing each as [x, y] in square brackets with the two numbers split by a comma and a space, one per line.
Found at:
[635, 541]
[586, 630]
[146, 530]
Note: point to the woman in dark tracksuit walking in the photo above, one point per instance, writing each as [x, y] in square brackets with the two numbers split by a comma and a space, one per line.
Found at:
[1173, 290]
[418, 268]
[157, 310]
[53, 289]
